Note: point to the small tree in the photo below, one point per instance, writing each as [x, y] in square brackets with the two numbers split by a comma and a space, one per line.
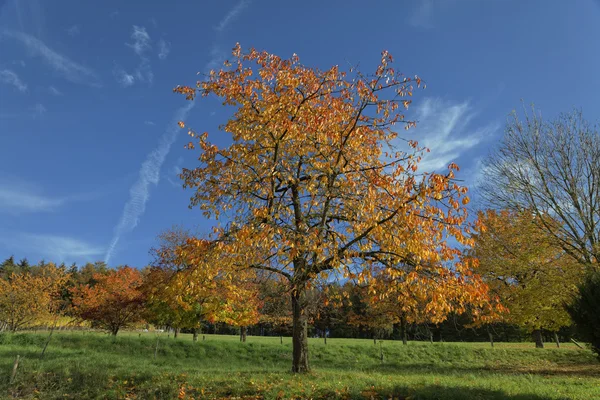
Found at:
[27, 299]
[114, 302]
[584, 311]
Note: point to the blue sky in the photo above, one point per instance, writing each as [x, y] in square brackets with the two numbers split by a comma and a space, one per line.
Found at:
[90, 148]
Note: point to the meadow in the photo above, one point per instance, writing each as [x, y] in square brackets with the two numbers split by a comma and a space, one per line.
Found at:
[88, 365]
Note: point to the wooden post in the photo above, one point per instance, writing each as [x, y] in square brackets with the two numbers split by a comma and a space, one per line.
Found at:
[556, 340]
[156, 348]
[14, 370]
[281, 339]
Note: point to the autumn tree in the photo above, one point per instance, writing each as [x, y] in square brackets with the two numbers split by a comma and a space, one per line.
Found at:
[314, 182]
[533, 276]
[113, 302]
[551, 168]
[163, 306]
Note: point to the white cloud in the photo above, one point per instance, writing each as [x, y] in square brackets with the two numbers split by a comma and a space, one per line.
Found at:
[232, 15]
[164, 48]
[70, 70]
[422, 16]
[149, 174]
[123, 77]
[11, 78]
[54, 91]
[74, 30]
[141, 40]
[55, 247]
[446, 129]
[149, 123]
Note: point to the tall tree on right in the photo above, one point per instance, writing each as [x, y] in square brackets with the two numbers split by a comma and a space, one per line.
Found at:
[552, 169]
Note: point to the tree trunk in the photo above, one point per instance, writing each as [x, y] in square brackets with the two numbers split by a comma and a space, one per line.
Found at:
[176, 334]
[243, 332]
[299, 335]
[537, 337]
[490, 336]
[195, 335]
[403, 330]
[114, 331]
[325, 336]
[556, 340]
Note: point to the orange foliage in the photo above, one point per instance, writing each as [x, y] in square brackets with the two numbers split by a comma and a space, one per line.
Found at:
[114, 301]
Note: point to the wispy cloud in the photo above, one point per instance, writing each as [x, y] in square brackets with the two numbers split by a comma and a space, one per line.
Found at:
[17, 198]
[34, 111]
[73, 30]
[173, 176]
[141, 40]
[446, 128]
[67, 68]
[232, 15]
[54, 247]
[149, 174]
[54, 91]
[422, 16]
[11, 78]
[123, 77]
[38, 110]
[164, 48]
[149, 123]
[141, 43]
[143, 72]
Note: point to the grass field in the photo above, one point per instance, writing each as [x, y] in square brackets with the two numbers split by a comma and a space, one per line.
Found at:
[80, 365]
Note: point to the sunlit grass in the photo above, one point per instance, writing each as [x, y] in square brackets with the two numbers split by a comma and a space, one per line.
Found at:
[93, 365]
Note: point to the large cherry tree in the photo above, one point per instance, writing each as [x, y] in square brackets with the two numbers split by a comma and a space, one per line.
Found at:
[316, 181]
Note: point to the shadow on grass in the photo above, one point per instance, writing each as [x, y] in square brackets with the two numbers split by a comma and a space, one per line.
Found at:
[437, 392]
[579, 370]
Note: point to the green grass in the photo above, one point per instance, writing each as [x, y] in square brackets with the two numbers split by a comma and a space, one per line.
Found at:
[92, 365]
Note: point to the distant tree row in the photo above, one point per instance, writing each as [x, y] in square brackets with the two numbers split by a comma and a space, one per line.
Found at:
[530, 277]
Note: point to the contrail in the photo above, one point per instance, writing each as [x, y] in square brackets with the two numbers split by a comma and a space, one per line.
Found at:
[139, 194]
[149, 175]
